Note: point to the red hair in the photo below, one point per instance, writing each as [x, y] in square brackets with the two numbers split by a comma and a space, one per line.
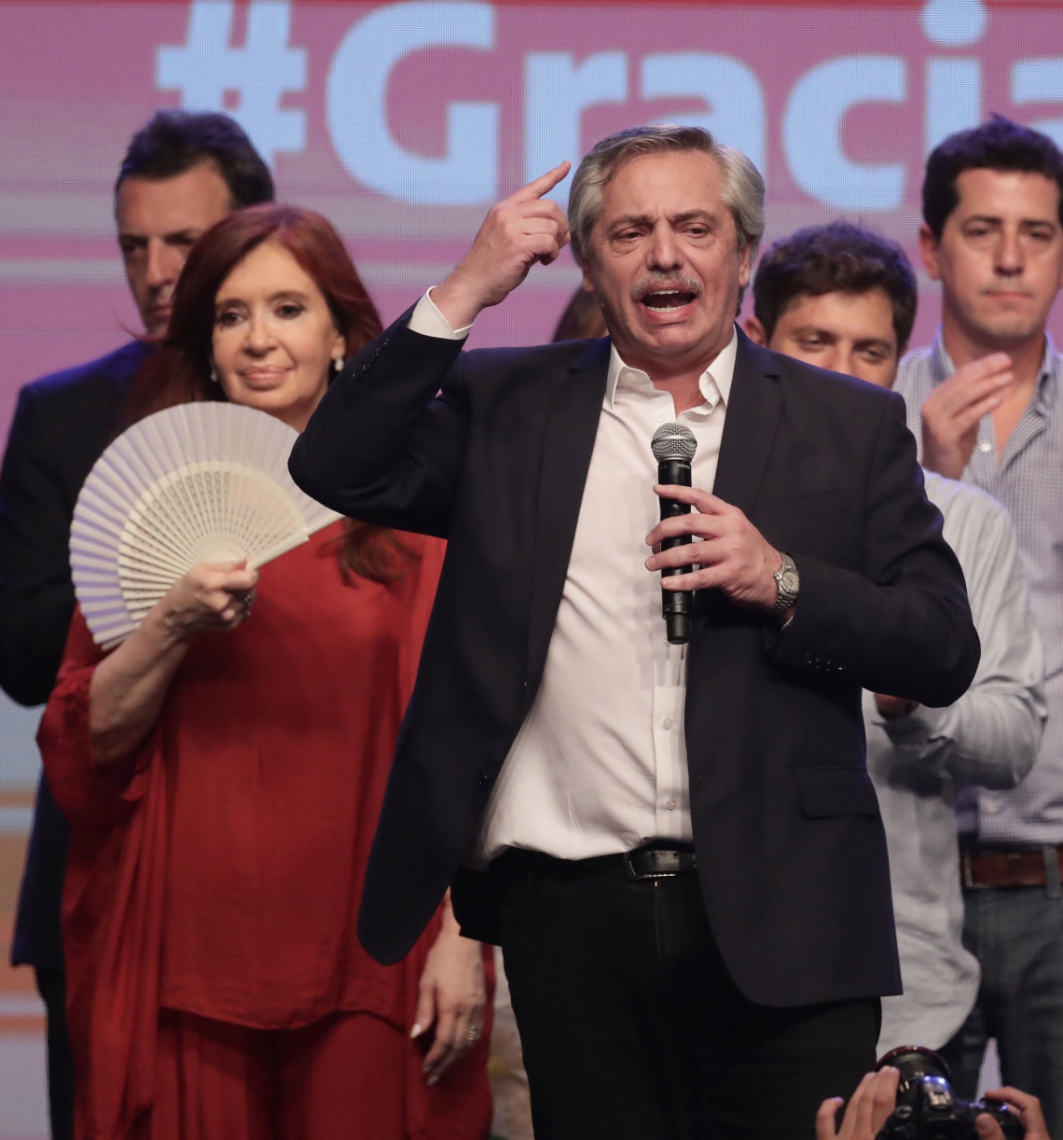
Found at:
[178, 372]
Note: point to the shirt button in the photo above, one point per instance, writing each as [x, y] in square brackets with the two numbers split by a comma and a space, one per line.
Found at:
[668, 722]
[659, 418]
[985, 445]
[991, 806]
[672, 805]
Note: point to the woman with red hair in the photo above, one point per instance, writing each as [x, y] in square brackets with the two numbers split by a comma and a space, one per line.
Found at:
[222, 774]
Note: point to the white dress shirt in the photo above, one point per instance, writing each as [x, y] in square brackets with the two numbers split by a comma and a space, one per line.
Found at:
[599, 765]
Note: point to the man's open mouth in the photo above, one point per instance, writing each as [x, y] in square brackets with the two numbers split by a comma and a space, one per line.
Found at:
[668, 300]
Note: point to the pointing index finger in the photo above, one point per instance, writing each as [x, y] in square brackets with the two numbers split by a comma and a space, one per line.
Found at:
[543, 184]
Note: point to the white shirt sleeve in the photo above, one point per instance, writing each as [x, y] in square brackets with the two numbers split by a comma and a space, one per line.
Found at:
[989, 738]
[427, 320]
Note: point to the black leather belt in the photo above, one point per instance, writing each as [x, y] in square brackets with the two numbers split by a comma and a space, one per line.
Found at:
[659, 862]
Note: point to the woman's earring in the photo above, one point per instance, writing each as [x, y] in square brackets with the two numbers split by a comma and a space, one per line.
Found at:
[213, 375]
[339, 363]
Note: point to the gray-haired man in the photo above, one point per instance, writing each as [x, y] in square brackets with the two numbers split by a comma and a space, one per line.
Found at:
[679, 845]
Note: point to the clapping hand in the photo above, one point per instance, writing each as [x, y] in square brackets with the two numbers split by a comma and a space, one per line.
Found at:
[517, 232]
[954, 409]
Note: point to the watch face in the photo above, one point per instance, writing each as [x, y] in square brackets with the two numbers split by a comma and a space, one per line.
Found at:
[790, 581]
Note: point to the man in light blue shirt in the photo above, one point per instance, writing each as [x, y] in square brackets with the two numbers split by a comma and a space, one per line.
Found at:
[844, 298]
[984, 401]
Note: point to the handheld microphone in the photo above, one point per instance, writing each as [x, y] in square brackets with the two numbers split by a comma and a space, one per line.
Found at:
[673, 447]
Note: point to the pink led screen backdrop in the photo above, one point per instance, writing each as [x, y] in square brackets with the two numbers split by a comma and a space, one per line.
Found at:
[403, 121]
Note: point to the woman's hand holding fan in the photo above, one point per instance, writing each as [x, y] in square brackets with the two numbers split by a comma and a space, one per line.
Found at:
[195, 486]
[128, 687]
[211, 596]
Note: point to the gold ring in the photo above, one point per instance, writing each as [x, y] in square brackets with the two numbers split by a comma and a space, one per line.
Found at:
[472, 1034]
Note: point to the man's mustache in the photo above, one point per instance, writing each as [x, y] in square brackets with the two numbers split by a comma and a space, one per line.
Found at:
[656, 282]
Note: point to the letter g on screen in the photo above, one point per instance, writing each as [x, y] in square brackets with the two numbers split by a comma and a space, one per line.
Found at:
[355, 101]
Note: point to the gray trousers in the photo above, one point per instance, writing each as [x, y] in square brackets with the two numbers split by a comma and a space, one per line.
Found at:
[1016, 933]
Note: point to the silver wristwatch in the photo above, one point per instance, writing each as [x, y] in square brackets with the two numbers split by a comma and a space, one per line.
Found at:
[788, 582]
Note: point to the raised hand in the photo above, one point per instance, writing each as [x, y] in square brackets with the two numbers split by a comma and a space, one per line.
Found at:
[953, 410]
[517, 232]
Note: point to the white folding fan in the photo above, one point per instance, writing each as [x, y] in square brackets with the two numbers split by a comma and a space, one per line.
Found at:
[203, 482]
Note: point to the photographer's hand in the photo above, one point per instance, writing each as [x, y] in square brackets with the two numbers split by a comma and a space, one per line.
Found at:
[868, 1109]
[1028, 1109]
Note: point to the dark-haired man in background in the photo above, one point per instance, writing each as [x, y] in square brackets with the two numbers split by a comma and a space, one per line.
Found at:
[844, 298]
[837, 296]
[182, 173]
[985, 398]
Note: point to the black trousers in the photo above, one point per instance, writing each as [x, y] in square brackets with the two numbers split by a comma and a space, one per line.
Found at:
[51, 984]
[632, 1028]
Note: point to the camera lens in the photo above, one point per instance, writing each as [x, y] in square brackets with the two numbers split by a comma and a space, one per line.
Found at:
[914, 1062]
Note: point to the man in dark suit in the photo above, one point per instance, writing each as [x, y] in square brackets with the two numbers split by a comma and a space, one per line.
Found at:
[677, 846]
[181, 174]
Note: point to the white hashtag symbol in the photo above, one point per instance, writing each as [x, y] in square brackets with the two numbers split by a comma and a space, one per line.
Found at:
[260, 73]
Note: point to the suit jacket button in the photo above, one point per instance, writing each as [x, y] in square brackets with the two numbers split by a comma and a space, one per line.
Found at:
[484, 780]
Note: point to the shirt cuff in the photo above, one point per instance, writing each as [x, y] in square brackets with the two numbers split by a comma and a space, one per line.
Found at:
[918, 728]
[427, 320]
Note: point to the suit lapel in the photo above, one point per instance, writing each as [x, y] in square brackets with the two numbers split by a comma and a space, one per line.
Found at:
[571, 427]
[753, 414]
[576, 395]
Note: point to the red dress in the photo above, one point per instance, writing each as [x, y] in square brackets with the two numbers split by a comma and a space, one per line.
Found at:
[220, 872]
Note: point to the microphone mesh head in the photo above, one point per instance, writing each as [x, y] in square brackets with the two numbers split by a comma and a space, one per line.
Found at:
[673, 441]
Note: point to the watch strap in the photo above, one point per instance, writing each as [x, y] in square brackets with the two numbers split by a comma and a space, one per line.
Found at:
[785, 598]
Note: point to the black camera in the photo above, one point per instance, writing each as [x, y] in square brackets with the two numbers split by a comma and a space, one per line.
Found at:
[928, 1109]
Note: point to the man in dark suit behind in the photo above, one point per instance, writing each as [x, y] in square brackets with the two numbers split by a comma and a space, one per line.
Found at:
[181, 174]
[677, 846]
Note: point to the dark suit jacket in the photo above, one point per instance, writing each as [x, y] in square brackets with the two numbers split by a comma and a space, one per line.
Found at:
[791, 852]
[61, 425]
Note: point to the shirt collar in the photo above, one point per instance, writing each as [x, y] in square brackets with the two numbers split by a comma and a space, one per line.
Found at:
[1047, 381]
[715, 382]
